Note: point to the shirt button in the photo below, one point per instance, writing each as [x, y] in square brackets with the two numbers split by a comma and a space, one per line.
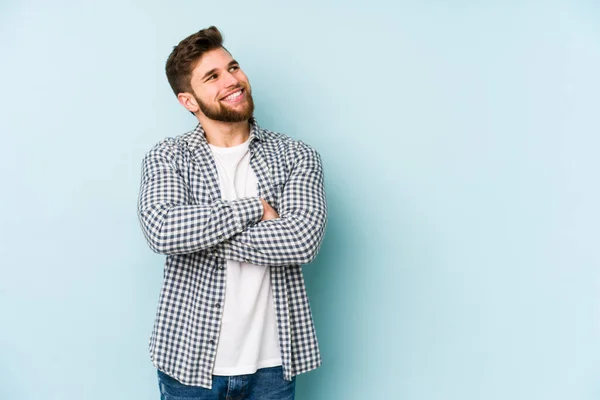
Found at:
[218, 305]
[220, 237]
[211, 342]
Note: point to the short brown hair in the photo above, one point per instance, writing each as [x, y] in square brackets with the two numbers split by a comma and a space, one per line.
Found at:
[187, 53]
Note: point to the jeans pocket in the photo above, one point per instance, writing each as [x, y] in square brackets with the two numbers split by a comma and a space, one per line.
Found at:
[172, 389]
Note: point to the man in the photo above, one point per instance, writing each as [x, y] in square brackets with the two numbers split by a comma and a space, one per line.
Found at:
[237, 209]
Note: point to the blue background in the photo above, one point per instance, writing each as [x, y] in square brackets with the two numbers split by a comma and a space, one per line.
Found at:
[460, 142]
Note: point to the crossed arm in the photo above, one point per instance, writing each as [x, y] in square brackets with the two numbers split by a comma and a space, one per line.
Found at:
[246, 229]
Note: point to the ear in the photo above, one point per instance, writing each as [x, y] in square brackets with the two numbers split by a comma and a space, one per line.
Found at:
[188, 101]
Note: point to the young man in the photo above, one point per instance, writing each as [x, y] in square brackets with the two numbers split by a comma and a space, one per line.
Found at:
[237, 209]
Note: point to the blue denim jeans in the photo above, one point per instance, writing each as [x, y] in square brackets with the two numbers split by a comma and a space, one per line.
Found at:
[264, 384]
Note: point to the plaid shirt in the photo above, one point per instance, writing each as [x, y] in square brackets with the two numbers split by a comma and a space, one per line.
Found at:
[183, 216]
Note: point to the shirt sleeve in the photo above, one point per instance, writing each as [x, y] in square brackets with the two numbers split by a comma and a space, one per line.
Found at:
[169, 220]
[295, 238]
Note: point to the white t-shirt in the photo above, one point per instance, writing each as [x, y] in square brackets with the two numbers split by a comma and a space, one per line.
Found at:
[248, 339]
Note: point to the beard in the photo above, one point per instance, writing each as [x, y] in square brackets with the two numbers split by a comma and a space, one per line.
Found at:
[223, 113]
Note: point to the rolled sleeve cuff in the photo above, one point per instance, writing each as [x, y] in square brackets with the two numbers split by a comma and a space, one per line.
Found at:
[247, 211]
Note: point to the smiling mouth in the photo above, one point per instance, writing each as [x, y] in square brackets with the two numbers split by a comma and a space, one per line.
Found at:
[234, 97]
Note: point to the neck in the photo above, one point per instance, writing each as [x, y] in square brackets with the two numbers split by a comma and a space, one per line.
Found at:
[225, 134]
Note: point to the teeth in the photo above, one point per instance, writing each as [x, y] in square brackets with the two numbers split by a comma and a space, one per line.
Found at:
[233, 95]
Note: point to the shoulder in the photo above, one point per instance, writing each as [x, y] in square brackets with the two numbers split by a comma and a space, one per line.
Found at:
[293, 148]
[170, 152]
[171, 146]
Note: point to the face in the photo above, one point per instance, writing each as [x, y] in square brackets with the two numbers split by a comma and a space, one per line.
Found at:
[221, 90]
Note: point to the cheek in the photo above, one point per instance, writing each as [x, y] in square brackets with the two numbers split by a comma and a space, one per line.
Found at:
[243, 78]
[211, 94]
[207, 93]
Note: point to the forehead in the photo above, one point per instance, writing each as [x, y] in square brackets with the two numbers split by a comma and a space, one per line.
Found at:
[212, 59]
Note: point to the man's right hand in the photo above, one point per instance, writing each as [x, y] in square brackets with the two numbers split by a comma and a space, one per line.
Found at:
[269, 212]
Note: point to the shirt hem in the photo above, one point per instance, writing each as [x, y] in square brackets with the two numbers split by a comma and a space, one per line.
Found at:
[247, 369]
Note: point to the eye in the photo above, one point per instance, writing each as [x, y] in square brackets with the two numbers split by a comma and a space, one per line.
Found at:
[212, 77]
[234, 68]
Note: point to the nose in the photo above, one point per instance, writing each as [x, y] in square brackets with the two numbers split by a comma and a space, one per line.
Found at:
[231, 79]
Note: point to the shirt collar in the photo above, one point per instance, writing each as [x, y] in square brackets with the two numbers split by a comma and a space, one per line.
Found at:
[197, 137]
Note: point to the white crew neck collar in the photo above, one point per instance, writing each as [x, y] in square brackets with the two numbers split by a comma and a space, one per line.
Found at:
[232, 149]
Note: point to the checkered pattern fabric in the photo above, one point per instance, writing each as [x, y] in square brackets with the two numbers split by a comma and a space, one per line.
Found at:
[183, 216]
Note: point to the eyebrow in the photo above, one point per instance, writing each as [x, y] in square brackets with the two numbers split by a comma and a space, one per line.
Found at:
[212, 71]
